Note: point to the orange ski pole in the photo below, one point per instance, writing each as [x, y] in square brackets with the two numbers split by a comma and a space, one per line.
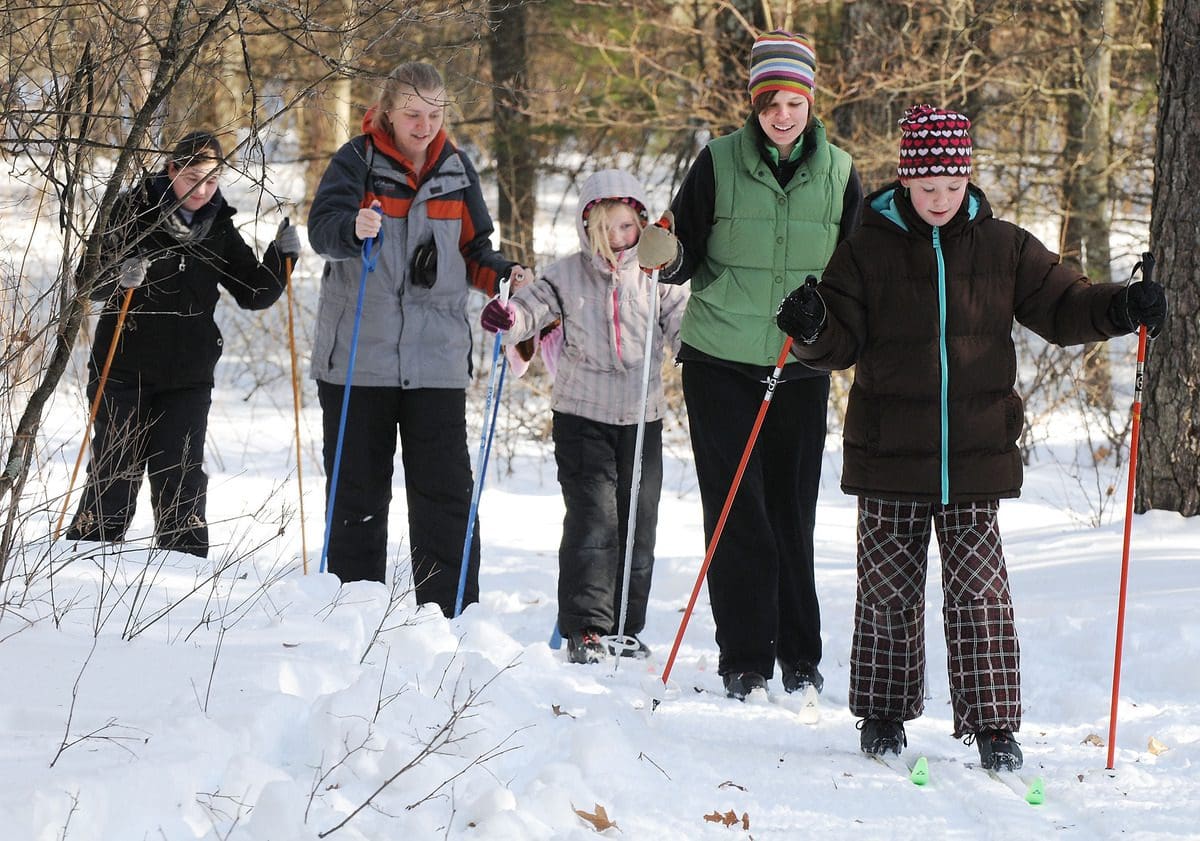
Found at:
[772, 381]
[1147, 266]
[87, 432]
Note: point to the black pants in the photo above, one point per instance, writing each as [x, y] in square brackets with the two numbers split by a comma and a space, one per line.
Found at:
[760, 582]
[142, 429]
[437, 482]
[595, 470]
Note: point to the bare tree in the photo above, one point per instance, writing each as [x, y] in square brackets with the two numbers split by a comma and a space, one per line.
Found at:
[512, 140]
[1169, 469]
[94, 90]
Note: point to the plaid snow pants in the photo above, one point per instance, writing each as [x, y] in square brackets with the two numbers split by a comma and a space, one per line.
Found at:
[887, 657]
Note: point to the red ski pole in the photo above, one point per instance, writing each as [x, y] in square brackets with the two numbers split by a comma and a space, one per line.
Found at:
[772, 381]
[1147, 266]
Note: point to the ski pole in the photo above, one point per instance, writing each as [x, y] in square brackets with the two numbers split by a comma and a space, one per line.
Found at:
[621, 643]
[485, 440]
[287, 268]
[87, 431]
[368, 266]
[1147, 267]
[772, 381]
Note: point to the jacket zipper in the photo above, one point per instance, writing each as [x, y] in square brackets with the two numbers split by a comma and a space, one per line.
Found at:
[617, 321]
[945, 365]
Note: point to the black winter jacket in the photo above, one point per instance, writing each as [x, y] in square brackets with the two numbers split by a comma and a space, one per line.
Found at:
[926, 316]
[170, 338]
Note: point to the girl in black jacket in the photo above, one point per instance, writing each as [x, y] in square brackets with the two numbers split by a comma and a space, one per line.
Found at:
[172, 243]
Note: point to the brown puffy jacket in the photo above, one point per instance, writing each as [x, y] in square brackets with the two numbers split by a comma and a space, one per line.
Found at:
[932, 413]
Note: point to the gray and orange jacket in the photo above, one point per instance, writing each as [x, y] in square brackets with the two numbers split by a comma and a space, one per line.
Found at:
[410, 336]
[926, 316]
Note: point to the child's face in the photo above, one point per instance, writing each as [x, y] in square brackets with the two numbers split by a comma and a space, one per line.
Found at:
[624, 228]
[197, 182]
[784, 120]
[416, 119]
[936, 199]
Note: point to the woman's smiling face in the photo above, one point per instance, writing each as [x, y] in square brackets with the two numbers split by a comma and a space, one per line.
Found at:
[784, 120]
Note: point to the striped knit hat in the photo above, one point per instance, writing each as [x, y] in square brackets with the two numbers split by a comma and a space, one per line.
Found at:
[782, 61]
[934, 141]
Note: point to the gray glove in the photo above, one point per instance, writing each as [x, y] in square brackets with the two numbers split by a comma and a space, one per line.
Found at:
[132, 273]
[287, 241]
[658, 246]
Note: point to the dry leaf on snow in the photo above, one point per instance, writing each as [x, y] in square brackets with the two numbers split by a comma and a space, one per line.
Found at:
[560, 711]
[1093, 739]
[729, 818]
[1156, 747]
[599, 820]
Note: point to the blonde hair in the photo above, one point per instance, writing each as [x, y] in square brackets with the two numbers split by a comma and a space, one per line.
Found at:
[407, 79]
[599, 220]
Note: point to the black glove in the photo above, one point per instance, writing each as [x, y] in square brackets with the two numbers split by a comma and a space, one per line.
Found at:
[802, 313]
[1140, 303]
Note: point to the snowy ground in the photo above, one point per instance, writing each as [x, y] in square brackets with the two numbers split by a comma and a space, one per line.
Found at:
[151, 696]
[154, 697]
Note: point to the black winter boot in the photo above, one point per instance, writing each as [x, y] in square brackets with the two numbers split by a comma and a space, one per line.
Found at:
[740, 684]
[585, 646]
[882, 735]
[998, 750]
[797, 676]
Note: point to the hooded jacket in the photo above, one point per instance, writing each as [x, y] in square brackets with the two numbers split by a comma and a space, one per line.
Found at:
[605, 312]
[170, 337]
[926, 315]
[410, 336]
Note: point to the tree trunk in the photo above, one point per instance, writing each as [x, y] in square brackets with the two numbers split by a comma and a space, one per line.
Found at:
[1086, 229]
[732, 45]
[516, 159]
[1168, 474]
[867, 121]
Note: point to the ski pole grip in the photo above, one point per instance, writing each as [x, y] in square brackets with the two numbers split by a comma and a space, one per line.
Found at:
[1147, 267]
[505, 283]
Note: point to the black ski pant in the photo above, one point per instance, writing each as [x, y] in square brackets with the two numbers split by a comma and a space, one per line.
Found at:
[437, 482]
[595, 469]
[760, 582]
[146, 430]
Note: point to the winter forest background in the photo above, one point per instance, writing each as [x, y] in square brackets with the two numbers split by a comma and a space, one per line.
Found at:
[1086, 129]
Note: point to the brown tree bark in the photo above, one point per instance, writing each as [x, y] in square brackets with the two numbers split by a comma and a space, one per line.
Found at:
[1168, 475]
[1086, 195]
[516, 159]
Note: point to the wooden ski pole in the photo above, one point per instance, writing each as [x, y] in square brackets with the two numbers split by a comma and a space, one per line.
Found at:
[87, 431]
[287, 263]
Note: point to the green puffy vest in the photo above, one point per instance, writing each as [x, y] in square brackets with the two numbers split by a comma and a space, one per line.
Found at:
[764, 241]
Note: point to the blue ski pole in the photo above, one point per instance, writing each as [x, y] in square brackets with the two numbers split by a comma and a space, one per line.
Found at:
[368, 266]
[485, 442]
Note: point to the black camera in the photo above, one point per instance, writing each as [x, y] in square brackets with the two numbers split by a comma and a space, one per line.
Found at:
[423, 269]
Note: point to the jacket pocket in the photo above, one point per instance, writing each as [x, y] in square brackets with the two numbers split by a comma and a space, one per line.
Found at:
[1014, 420]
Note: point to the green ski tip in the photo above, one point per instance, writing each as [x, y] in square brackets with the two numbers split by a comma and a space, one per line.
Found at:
[920, 771]
[1036, 795]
